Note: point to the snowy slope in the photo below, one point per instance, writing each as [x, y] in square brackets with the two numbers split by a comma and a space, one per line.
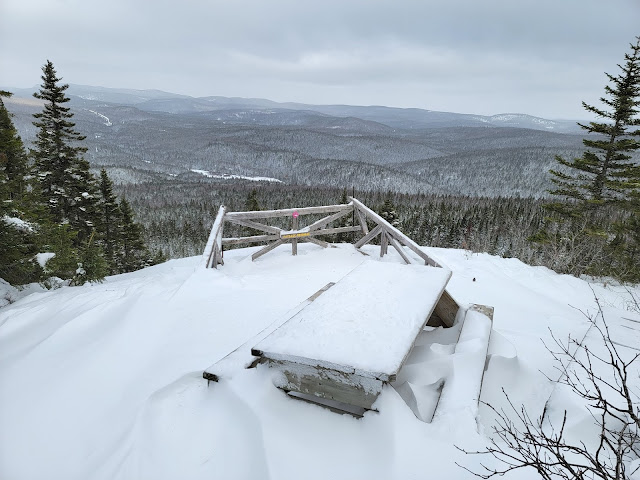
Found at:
[105, 381]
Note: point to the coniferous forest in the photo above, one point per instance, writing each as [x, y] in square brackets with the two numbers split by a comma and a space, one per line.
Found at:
[60, 222]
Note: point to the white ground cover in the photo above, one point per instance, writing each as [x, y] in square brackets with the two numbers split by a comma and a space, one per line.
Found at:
[105, 381]
[367, 321]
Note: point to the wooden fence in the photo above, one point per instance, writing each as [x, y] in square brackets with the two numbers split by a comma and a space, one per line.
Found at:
[389, 235]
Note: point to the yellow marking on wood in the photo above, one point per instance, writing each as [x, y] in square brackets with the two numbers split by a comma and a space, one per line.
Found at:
[295, 235]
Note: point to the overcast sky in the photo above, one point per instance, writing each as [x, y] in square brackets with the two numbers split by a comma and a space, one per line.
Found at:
[542, 57]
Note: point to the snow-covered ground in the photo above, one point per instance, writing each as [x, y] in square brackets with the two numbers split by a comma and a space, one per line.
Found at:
[105, 381]
[107, 122]
[228, 176]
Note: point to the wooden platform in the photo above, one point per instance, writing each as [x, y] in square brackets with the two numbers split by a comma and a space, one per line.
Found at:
[357, 335]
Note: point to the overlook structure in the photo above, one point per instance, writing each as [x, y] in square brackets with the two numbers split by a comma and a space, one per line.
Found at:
[344, 343]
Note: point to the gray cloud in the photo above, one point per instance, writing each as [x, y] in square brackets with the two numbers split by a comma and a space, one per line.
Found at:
[541, 57]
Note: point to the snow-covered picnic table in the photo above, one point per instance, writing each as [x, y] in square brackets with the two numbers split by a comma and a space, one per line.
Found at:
[357, 334]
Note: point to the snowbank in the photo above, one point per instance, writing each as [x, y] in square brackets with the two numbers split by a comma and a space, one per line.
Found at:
[104, 381]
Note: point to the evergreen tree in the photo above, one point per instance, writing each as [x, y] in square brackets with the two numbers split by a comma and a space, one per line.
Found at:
[56, 153]
[593, 228]
[108, 226]
[84, 216]
[133, 254]
[59, 240]
[388, 211]
[14, 159]
[604, 173]
[92, 266]
[18, 244]
[18, 224]
[251, 204]
[345, 222]
[65, 183]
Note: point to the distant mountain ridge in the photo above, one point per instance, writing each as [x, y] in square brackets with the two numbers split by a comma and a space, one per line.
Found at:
[394, 117]
[150, 135]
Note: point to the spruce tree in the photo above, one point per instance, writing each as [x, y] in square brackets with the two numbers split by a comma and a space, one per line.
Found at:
[19, 225]
[57, 153]
[59, 240]
[65, 183]
[133, 254]
[251, 204]
[108, 226]
[14, 161]
[84, 215]
[604, 173]
[388, 211]
[92, 267]
[594, 219]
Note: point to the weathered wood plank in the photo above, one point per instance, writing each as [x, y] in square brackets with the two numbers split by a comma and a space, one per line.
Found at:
[294, 226]
[331, 231]
[294, 234]
[284, 236]
[255, 225]
[331, 218]
[394, 243]
[369, 236]
[446, 309]
[317, 242]
[253, 239]
[401, 237]
[322, 382]
[331, 405]
[214, 238]
[287, 212]
[241, 357]
[210, 377]
[217, 255]
[362, 218]
[384, 241]
[267, 249]
[320, 292]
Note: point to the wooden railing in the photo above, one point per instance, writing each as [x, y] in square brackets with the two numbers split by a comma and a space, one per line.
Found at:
[213, 250]
[389, 235]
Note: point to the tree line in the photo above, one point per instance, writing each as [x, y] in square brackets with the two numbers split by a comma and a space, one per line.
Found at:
[57, 220]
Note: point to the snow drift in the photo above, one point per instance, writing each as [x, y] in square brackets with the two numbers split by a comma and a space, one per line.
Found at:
[105, 381]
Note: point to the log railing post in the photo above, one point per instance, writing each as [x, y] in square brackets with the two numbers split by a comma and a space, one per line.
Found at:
[294, 226]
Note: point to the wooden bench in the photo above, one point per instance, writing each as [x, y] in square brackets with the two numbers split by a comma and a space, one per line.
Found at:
[356, 336]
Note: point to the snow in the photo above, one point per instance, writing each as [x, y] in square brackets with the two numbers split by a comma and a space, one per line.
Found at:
[44, 257]
[362, 324]
[461, 392]
[10, 294]
[511, 117]
[226, 176]
[104, 381]
[107, 122]
[18, 224]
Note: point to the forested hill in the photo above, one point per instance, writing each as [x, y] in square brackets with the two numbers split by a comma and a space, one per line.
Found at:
[149, 135]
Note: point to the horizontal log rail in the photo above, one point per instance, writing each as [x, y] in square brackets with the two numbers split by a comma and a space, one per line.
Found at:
[287, 212]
